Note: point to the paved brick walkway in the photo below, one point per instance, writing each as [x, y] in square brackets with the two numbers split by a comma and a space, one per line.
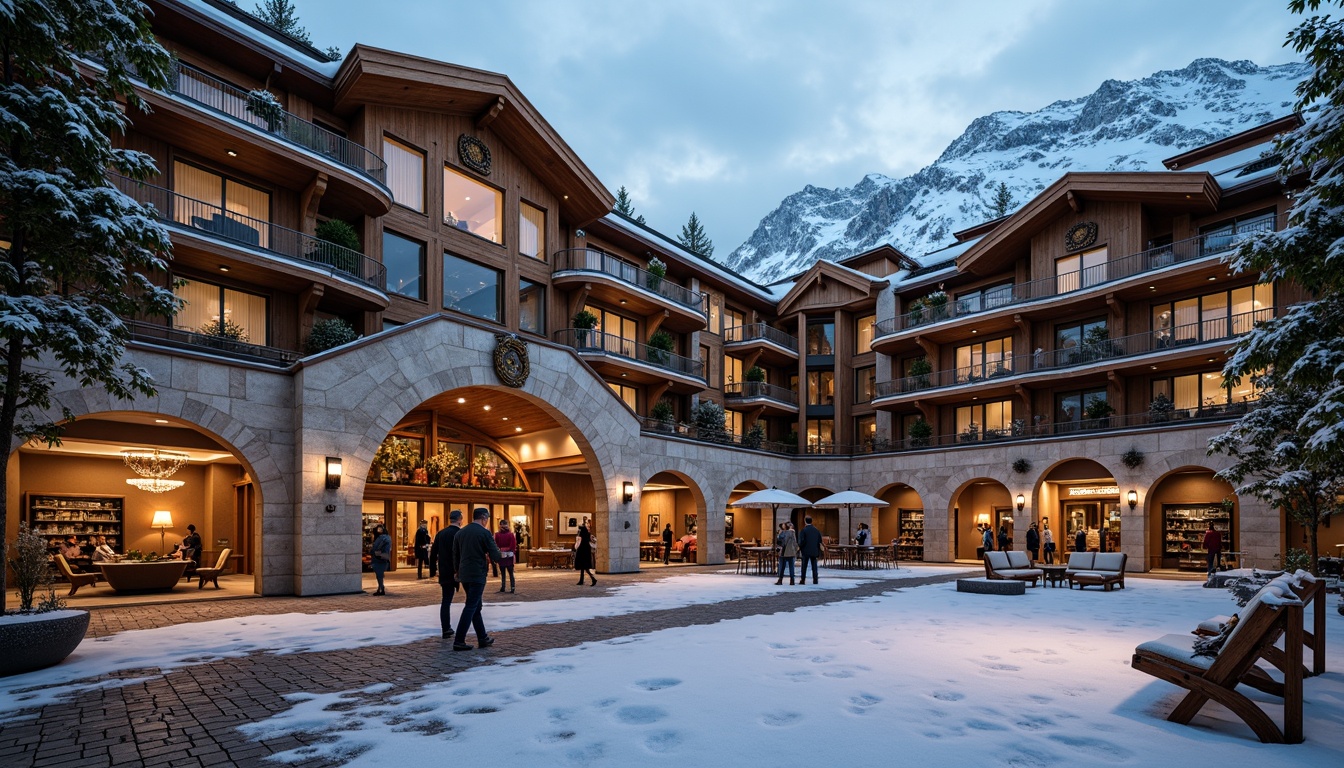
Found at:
[189, 716]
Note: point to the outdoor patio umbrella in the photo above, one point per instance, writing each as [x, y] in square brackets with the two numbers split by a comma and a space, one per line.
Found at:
[850, 499]
[773, 498]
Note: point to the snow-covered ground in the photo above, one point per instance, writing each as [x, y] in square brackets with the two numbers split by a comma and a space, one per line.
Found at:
[922, 675]
[168, 648]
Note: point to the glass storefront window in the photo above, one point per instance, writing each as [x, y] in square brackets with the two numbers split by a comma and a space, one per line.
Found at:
[491, 470]
[471, 288]
[404, 260]
[471, 206]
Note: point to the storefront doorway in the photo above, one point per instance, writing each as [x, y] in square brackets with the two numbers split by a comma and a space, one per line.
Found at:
[1081, 496]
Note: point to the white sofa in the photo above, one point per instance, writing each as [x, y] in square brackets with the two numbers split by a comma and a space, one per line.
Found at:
[1011, 565]
[1103, 569]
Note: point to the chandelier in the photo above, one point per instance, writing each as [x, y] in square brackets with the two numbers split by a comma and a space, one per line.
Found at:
[154, 463]
[155, 484]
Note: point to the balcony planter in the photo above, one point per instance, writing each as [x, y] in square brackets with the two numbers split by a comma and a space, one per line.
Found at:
[660, 348]
[755, 374]
[662, 414]
[337, 246]
[1160, 410]
[657, 271]
[264, 105]
[1097, 413]
[920, 369]
[584, 322]
[921, 433]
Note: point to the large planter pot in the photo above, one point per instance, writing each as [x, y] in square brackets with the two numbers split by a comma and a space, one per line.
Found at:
[39, 640]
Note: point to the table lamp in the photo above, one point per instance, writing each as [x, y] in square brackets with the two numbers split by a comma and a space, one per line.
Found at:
[163, 520]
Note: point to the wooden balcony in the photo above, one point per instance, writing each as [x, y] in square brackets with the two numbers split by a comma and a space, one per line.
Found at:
[620, 359]
[772, 400]
[775, 346]
[620, 283]
[179, 339]
[1053, 293]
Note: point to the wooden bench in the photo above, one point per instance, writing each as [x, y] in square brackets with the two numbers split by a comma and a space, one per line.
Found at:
[1274, 612]
[1011, 565]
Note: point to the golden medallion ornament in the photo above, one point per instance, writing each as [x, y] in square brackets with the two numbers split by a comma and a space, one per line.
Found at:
[511, 364]
[474, 154]
[1080, 235]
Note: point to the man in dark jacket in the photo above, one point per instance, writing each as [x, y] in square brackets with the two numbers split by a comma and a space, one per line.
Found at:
[441, 560]
[667, 544]
[1033, 542]
[809, 549]
[474, 549]
[1080, 540]
[422, 542]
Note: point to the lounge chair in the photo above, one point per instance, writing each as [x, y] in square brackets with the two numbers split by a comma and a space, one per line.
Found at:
[1011, 565]
[76, 580]
[212, 574]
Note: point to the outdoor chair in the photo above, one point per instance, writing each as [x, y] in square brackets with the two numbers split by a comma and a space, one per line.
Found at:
[76, 580]
[212, 574]
[1275, 611]
[1311, 592]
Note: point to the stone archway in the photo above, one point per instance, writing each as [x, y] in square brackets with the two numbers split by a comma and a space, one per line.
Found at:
[901, 521]
[1180, 503]
[1082, 494]
[676, 497]
[977, 501]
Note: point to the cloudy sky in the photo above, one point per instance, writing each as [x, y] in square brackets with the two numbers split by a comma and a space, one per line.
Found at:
[724, 107]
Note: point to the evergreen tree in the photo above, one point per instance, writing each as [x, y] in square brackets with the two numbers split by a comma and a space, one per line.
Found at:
[1003, 202]
[1301, 354]
[74, 251]
[282, 15]
[694, 239]
[624, 206]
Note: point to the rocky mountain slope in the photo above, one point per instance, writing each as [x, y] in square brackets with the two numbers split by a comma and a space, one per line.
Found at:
[1121, 126]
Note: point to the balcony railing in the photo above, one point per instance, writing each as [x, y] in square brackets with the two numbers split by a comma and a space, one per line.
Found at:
[751, 389]
[759, 332]
[1181, 251]
[217, 95]
[596, 342]
[720, 437]
[585, 260]
[210, 344]
[188, 213]
[1090, 351]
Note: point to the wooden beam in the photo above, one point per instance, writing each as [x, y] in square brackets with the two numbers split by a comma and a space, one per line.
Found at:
[654, 322]
[312, 197]
[930, 349]
[1075, 202]
[308, 301]
[488, 116]
[1025, 394]
[656, 392]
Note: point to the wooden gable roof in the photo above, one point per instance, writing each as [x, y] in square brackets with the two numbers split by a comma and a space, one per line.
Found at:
[826, 284]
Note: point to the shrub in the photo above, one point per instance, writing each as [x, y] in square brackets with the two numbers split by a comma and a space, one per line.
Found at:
[1097, 408]
[920, 432]
[1295, 560]
[31, 570]
[1160, 409]
[584, 320]
[755, 436]
[662, 411]
[755, 373]
[329, 334]
[660, 347]
[338, 246]
[224, 328]
[657, 271]
[708, 416]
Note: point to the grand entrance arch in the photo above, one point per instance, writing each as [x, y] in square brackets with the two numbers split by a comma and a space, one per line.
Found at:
[901, 521]
[354, 397]
[79, 488]
[1080, 496]
[979, 502]
[752, 525]
[1180, 506]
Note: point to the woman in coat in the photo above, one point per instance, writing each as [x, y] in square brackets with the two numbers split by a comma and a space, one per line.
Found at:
[1048, 540]
[381, 554]
[583, 554]
[787, 544]
[1003, 538]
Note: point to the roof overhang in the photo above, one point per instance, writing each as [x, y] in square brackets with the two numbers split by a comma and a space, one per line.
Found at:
[867, 285]
[374, 76]
[998, 249]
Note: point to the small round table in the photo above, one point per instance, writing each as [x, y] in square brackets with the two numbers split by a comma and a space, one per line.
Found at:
[1054, 574]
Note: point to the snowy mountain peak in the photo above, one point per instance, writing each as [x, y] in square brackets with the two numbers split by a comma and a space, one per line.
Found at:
[1122, 126]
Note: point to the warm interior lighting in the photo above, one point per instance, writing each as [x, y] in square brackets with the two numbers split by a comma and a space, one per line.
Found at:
[461, 400]
[333, 472]
[485, 407]
[154, 462]
[982, 518]
[627, 491]
[155, 484]
[163, 520]
[517, 429]
[1133, 498]
[160, 421]
[1021, 502]
[231, 152]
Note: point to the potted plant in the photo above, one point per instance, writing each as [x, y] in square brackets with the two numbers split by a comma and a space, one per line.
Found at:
[222, 331]
[656, 272]
[1097, 413]
[920, 369]
[444, 467]
[1097, 344]
[755, 436]
[338, 246]
[397, 458]
[662, 414]
[971, 434]
[660, 348]
[328, 334]
[584, 322]
[937, 304]
[921, 433]
[42, 632]
[755, 377]
[1161, 409]
[708, 418]
[264, 105]
[915, 312]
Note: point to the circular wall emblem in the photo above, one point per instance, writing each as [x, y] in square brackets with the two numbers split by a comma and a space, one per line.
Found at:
[474, 154]
[511, 365]
[1080, 235]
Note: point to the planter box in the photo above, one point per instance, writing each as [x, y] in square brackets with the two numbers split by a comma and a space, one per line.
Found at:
[35, 641]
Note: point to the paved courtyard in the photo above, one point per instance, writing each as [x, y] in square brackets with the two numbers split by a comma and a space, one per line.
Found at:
[189, 716]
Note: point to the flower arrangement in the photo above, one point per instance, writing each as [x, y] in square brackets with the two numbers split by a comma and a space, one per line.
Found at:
[396, 457]
[444, 467]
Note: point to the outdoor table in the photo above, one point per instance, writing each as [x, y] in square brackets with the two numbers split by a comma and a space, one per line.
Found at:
[160, 576]
[761, 556]
[1054, 574]
[550, 558]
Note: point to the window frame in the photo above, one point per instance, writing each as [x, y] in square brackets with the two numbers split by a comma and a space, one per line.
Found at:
[424, 175]
[542, 255]
[499, 287]
[420, 280]
[499, 206]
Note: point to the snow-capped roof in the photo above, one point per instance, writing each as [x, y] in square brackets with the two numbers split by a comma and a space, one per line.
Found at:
[251, 28]
[1243, 166]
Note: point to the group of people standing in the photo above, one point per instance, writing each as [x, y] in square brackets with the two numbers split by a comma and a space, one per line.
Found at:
[1039, 539]
[804, 543]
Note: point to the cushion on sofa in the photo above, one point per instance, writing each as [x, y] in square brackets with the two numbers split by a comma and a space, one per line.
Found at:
[1018, 559]
[1108, 561]
[1018, 573]
[1080, 561]
[997, 560]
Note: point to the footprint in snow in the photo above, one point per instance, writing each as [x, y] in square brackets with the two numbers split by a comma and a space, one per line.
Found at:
[657, 683]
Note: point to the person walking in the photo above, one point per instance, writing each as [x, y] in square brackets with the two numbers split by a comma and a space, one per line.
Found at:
[1080, 540]
[1003, 538]
[1033, 542]
[667, 544]
[441, 559]
[508, 554]
[380, 554]
[1213, 547]
[1048, 542]
[583, 553]
[809, 547]
[422, 543]
[473, 548]
[787, 544]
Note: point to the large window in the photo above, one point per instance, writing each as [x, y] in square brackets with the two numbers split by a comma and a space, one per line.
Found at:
[405, 173]
[821, 338]
[1071, 408]
[984, 359]
[620, 334]
[985, 420]
[733, 319]
[984, 298]
[1213, 315]
[734, 422]
[218, 311]
[863, 332]
[865, 384]
[531, 306]
[715, 314]
[231, 208]
[404, 260]
[865, 429]
[732, 370]
[531, 231]
[820, 435]
[1080, 270]
[472, 206]
[1221, 237]
[1203, 390]
[471, 288]
[627, 394]
[1070, 339]
[821, 387]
